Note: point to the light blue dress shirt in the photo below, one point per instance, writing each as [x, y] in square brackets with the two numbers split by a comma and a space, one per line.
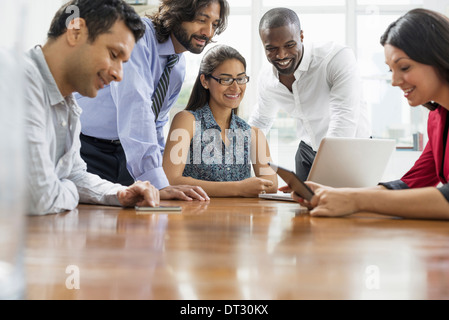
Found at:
[123, 110]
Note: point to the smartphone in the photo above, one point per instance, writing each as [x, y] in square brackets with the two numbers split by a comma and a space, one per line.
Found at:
[159, 209]
[294, 182]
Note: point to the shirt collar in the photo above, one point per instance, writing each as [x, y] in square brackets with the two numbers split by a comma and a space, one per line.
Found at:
[166, 48]
[210, 120]
[306, 58]
[54, 94]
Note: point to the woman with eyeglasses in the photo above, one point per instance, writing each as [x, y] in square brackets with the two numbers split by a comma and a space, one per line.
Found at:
[208, 144]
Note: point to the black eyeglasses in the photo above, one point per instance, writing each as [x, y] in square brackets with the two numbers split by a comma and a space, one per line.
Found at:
[230, 81]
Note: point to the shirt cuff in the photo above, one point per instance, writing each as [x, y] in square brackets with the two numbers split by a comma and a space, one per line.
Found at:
[445, 191]
[395, 185]
[156, 177]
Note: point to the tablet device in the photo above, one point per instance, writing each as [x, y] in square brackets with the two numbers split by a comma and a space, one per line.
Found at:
[293, 181]
[158, 209]
[277, 196]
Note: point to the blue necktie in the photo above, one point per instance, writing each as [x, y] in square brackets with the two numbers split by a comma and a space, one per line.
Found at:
[161, 90]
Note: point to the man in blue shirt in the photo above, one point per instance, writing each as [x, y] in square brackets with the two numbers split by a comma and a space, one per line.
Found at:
[122, 137]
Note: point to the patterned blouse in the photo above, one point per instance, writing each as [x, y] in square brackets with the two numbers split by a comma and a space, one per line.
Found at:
[209, 158]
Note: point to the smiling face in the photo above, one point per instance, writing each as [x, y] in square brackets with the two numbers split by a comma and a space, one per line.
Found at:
[420, 83]
[221, 96]
[283, 47]
[92, 65]
[195, 35]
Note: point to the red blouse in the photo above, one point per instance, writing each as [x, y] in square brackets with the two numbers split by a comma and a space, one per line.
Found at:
[430, 170]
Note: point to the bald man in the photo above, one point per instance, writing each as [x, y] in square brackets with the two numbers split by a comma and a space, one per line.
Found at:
[318, 84]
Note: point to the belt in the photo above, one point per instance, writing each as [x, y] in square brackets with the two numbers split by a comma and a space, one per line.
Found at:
[113, 142]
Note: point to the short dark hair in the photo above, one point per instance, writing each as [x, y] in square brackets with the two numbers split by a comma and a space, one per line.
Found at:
[424, 36]
[172, 13]
[100, 16]
[279, 17]
[213, 58]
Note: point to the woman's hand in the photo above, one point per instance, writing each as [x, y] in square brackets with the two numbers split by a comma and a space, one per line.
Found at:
[252, 187]
[327, 201]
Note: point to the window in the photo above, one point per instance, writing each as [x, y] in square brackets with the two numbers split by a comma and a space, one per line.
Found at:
[234, 39]
[356, 23]
[30, 19]
[391, 116]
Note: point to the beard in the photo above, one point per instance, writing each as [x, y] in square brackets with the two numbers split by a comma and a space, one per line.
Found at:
[289, 71]
[296, 61]
[187, 41]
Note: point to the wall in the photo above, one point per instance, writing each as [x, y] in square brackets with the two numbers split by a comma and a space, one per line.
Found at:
[31, 17]
[438, 5]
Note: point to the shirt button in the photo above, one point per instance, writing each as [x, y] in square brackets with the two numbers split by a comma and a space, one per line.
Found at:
[63, 123]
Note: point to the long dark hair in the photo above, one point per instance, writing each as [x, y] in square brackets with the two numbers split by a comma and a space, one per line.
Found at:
[424, 36]
[172, 13]
[100, 16]
[213, 58]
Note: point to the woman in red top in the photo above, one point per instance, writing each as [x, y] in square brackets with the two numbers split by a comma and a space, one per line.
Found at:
[416, 50]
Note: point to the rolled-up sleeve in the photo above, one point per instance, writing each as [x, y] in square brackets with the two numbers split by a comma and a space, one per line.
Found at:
[395, 185]
[345, 95]
[445, 191]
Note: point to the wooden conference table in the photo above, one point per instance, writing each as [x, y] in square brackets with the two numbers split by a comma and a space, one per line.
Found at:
[237, 249]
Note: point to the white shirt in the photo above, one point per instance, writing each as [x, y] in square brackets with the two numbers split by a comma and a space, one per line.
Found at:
[326, 98]
[58, 179]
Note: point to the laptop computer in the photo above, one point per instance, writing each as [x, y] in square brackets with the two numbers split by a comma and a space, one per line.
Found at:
[351, 162]
[347, 162]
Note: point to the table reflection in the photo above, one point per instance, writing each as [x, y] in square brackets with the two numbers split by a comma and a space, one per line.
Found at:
[235, 249]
